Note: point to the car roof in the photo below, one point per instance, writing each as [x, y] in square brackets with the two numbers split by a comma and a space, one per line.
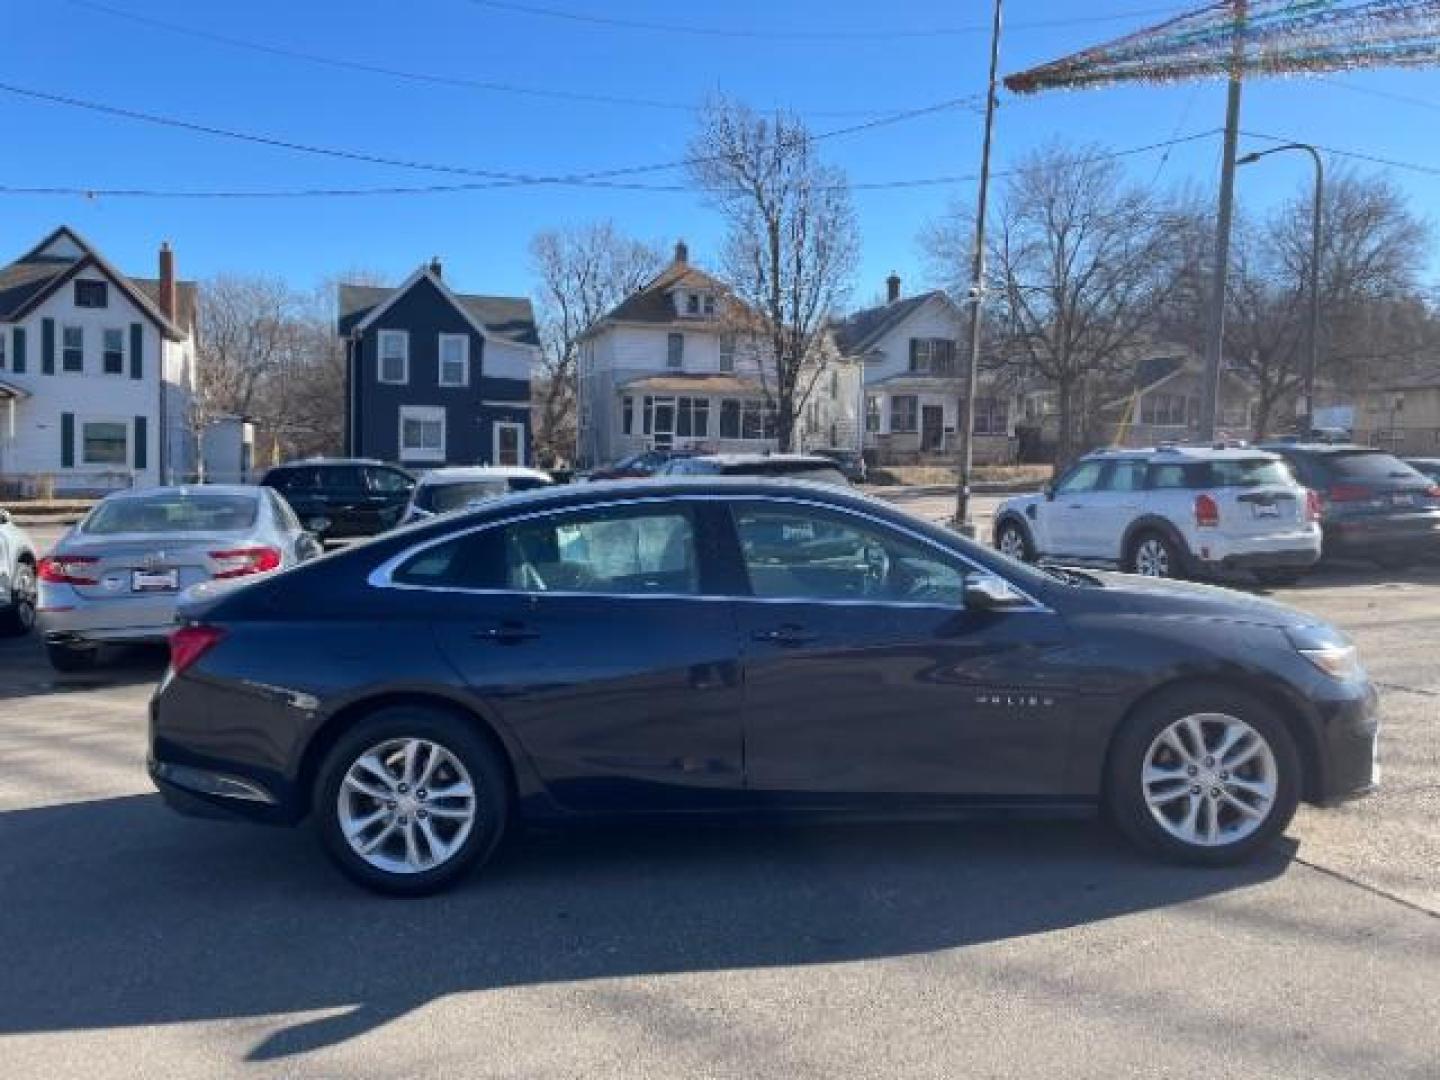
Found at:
[187, 489]
[457, 474]
[1184, 453]
[1325, 448]
[305, 463]
[760, 459]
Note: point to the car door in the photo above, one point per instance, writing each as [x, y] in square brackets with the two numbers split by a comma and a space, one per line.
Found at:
[597, 640]
[387, 491]
[1109, 509]
[343, 495]
[1065, 527]
[865, 676]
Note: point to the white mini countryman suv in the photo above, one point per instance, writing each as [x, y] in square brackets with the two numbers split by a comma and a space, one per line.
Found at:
[1175, 511]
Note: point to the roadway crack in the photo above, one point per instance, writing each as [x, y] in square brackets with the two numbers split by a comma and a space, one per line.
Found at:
[1373, 890]
[1397, 688]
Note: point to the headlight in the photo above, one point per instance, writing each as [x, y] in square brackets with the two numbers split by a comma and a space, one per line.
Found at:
[1338, 661]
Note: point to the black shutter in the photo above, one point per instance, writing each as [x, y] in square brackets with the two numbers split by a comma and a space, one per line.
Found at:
[47, 346]
[67, 440]
[18, 360]
[137, 350]
[914, 347]
[140, 442]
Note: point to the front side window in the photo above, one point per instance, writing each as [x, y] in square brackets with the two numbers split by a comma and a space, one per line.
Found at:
[387, 480]
[648, 552]
[422, 434]
[91, 294]
[104, 442]
[1084, 477]
[72, 348]
[800, 554]
[904, 414]
[675, 351]
[454, 360]
[394, 356]
[114, 354]
[1126, 476]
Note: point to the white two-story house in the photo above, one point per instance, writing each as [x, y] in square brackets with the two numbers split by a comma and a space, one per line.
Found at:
[97, 371]
[668, 368]
[911, 349]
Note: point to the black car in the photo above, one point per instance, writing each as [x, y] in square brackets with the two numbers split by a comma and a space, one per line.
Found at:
[851, 462]
[338, 498]
[811, 467]
[1373, 505]
[739, 649]
[635, 466]
[1428, 465]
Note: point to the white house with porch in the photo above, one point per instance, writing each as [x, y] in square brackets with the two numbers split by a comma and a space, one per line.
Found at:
[97, 372]
[666, 368]
[911, 352]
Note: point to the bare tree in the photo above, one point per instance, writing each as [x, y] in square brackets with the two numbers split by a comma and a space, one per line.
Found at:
[1080, 264]
[791, 246]
[582, 273]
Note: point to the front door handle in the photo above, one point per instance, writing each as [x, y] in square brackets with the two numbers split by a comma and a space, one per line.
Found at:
[785, 636]
[507, 634]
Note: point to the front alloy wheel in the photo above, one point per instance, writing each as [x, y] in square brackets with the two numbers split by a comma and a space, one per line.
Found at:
[1013, 542]
[1153, 557]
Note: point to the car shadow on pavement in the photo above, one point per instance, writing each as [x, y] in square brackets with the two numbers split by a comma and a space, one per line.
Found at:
[118, 913]
[24, 671]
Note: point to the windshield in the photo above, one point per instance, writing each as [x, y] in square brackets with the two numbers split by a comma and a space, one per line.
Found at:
[1370, 465]
[1249, 473]
[166, 512]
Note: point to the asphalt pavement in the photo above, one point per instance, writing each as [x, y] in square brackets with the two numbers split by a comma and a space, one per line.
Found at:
[139, 943]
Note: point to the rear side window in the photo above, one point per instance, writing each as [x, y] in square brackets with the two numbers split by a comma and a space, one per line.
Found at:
[294, 479]
[1363, 465]
[1175, 476]
[635, 553]
[1249, 473]
[1125, 476]
[342, 478]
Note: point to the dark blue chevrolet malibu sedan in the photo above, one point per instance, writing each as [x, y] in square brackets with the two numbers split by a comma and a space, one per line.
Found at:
[746, 648]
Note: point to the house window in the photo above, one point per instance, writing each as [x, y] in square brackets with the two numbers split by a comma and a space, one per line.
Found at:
[727, 352]
[692, 417]
[114, 355]
[627, 415]
[509, 438]
[834, 385]
[422, 433]
[1164, 410]
[992, 416]
[4, 338]
[872, 413]
[729, 419]
[692, 303]
[104, 442]
[708, 303]
[394, 356]
[72, 348]
[91, 294]
[904, 414]
[454, 360]
[675, 354]
[932, 356]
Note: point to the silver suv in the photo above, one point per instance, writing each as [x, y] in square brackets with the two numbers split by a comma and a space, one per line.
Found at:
[1170, 512]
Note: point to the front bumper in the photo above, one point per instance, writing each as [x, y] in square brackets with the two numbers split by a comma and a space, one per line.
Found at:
[1349, 736]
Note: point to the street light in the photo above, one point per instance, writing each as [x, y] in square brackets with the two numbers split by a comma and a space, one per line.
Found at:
[1313, 357]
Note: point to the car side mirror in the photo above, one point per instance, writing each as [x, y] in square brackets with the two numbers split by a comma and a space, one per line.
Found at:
[1049, 491]
[4, 517]
[985, 591]
[318, 525]
[310, 546]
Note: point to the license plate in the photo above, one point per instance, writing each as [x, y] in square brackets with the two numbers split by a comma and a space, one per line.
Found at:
[1402, 499]
[154, 580]
[1266, 509]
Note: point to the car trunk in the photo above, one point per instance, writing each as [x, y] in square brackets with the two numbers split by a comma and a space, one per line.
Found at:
[1371, 484]
[1258, 511]
[145, 566]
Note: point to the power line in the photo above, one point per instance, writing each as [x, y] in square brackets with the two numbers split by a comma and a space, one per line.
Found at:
[420, 77]
[1388, 95]
[867, 34]
[596, 178]
[1373, 159]
[435, 189]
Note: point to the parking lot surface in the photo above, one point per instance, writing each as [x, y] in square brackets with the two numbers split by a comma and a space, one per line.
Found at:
[140, 943]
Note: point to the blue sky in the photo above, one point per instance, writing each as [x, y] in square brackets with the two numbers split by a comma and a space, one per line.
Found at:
[63, 47]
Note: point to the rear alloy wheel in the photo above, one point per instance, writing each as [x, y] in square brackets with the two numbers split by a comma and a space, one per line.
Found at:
[19, 618]
[1204, 777]
[409, 799]
[1154, 556]
[70, 658]
[1012, 539]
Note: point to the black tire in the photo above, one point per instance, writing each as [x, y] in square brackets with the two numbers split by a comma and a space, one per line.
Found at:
[1140, 548]
[1125, 798]
[1017, 534]
[18, 619]
[71, 658]
[1278, 579]
[488, 776]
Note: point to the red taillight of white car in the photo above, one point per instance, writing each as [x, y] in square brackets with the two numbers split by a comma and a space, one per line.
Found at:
[190, 643]
[242, 562]
[1314, 506]
[68, 570]
[1207, 511]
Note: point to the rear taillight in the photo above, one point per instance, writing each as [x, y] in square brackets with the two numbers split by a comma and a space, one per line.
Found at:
[1433, 492]
[1314, 508]
[190, 643]
[241, 562]
[1343, 493]
[68, 569]
[1207, 511]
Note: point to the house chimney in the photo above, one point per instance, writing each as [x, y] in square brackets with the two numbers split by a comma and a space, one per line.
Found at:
[892, 288]
[167, 281]
[682, 252]
[435, 267]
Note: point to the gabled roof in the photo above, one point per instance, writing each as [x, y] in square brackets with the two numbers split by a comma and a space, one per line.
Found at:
[858, 333]
[36, 275]
[508, 318]
[652, 303]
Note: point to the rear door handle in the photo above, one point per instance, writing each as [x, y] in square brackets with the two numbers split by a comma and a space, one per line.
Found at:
[785, 636]
[507, 634]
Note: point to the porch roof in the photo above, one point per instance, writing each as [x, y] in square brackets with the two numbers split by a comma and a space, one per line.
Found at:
[11, 392]
[692, 384]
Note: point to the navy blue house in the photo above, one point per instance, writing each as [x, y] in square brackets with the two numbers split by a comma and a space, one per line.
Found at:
[436, 378]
